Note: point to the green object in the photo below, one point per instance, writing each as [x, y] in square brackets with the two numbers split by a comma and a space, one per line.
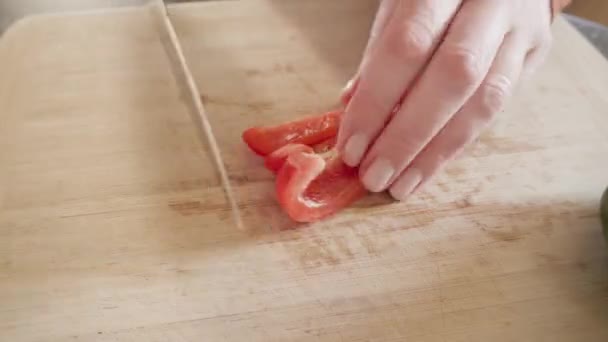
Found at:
[604, 212]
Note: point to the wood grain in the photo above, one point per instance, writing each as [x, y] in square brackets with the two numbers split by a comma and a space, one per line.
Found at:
[114, 228]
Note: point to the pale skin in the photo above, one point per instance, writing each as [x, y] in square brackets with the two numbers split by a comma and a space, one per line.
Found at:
[434, 75]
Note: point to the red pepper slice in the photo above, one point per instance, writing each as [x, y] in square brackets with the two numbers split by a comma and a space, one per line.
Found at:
[326, 145]
[277, 159]
[308, 131]
[311, 187]
[312, 181]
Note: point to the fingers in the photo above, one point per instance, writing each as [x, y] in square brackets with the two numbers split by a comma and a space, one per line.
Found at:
[455, 72]
[535, 58]
[400, 51]
[385, 11]
[539, 31]
[467, 124]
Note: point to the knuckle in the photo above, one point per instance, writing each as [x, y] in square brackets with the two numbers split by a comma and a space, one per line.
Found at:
[402, 144]
[541, 38]
[462, 66]
[452, 139]
[412, 40]
[493, 94]
[458, 139]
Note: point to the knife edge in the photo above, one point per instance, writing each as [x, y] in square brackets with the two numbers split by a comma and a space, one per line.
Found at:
[190, 94]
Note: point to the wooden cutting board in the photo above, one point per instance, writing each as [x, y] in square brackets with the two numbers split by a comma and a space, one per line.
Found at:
[114, 225]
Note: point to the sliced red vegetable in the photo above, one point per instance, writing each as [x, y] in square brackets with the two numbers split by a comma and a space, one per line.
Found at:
[277, 159]
[308, 131]
[326, 145]
[311, 186]
[312, 181]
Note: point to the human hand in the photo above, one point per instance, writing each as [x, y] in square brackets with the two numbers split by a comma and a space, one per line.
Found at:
[433, 76]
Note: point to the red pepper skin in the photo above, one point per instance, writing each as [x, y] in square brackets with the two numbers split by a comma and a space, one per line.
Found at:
[311, 187]
[312, 182]
[308, 131]
[326, 145]
[277, 159]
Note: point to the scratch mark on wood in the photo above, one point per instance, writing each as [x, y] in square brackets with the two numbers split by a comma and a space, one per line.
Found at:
[188, 208]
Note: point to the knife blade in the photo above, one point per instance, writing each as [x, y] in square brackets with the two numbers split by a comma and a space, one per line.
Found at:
[190, 94]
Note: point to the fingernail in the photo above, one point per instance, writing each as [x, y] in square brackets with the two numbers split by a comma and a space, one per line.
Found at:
[406, 184]
[378, 175]
[355, 149]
